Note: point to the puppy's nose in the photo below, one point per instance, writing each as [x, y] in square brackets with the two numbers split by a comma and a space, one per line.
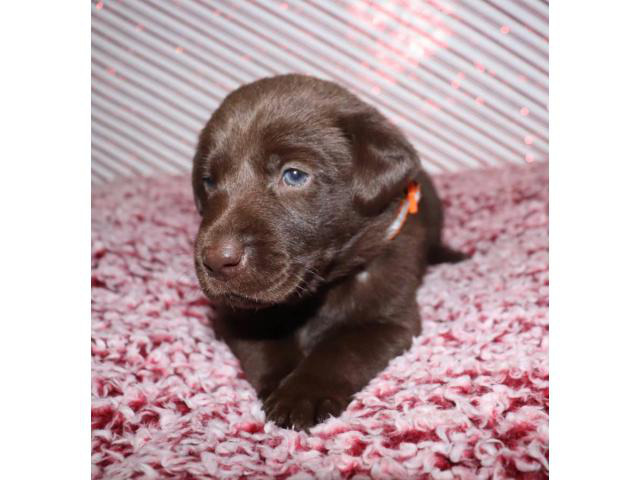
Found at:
[224, 257]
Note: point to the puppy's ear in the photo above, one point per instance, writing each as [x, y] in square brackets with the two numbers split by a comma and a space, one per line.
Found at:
[383, 160]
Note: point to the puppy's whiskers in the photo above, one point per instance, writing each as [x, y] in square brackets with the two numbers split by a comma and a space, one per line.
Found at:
[315, 274]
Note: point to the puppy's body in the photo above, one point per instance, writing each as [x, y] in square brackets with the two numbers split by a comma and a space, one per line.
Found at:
[313, 296]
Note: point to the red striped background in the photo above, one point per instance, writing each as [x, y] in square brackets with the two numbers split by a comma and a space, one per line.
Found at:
[466, 80]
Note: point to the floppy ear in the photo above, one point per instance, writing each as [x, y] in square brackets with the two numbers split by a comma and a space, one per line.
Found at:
[383, 160]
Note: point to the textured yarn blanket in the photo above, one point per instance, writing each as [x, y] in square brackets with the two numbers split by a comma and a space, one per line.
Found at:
[468, 400]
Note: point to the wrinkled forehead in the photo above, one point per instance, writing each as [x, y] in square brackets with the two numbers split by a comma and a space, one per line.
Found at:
[257, 134]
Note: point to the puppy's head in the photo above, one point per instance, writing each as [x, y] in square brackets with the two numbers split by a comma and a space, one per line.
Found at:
[295, 179]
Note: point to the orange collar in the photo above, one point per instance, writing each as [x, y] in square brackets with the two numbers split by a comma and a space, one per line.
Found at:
[409, 206]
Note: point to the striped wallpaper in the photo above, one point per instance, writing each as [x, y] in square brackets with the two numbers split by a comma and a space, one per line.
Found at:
[467, 80]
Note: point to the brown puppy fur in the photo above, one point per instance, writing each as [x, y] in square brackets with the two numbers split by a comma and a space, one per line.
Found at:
[312, 296]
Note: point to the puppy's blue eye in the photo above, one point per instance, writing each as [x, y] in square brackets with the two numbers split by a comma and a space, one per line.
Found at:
[294, 177]
[208, 183]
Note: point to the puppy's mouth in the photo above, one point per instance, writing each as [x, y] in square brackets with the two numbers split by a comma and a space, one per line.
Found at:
[290, 285]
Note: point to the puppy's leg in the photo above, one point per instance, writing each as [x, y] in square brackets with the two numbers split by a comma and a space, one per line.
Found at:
[339, 366]
[266, 362]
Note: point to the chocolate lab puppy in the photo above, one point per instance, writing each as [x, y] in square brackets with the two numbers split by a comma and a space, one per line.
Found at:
[317, 225]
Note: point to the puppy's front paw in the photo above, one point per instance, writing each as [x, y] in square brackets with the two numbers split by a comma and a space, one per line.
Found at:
[302, 403]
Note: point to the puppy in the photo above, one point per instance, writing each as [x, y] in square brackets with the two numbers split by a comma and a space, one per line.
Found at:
[317, 225]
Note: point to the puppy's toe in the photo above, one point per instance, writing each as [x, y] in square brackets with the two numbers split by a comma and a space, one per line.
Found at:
[329, 407]
[302, 413]
[302, 416]
[290, 412]
[280, 417]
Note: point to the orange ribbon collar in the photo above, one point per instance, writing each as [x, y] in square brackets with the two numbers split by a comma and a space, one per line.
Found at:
[409, 206]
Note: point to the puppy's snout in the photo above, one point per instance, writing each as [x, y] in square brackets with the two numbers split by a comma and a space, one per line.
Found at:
[224, 257]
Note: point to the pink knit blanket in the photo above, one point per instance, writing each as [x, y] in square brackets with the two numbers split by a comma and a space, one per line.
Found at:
[469, 400]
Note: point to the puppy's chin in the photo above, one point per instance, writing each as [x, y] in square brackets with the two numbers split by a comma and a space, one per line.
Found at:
[289, 287]
[235, 300]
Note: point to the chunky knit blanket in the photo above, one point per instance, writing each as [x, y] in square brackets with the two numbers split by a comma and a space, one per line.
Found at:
[468, 400]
